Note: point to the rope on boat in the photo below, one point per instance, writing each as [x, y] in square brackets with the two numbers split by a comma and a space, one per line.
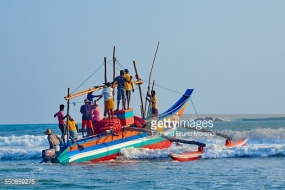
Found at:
[194, 107]
[87, 79]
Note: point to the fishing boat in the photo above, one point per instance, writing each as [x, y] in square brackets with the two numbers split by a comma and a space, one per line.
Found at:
[120, 132]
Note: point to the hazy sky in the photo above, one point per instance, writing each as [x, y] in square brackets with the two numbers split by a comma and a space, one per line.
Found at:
[231, 52]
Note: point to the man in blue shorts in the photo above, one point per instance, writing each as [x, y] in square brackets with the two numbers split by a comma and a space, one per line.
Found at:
[121, 93]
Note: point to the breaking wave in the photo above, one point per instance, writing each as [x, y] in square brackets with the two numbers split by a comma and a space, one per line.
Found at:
[262, 142]
[22, 147]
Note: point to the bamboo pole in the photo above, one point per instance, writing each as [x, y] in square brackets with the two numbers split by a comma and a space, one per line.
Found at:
[105, 70]
[92, 89]
[137, 77]
[114, 68]
[150, 74]
[149, 103]
[67, 118]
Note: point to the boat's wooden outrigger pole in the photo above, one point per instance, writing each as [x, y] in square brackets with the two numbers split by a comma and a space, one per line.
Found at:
[139, 84]
[92, 89]
[105, 70]
[149, 132]
[150, 75]
[67, 118]
[114, 68]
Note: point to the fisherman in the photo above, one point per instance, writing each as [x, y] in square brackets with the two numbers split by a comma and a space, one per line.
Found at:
[73, 128]
[107, 93]
[128, 87]
[61, 123]
[53, 140]
[90, 97]
[86, 111]
[121, 89]
[153, 101]
[97, 112]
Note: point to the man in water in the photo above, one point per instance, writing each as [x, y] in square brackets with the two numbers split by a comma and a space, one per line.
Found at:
[153, 101]
[61, 123]
[128, 86]
[53, 139]
[121, 89]
[86, 111]
[107, 93]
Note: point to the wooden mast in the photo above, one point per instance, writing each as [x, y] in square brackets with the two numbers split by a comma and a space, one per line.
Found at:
[114, 68]
[150, 75]
[138, 79]
[105, 70]
[67, 118]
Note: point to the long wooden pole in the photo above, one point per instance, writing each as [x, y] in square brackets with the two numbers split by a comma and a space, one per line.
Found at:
[114, 68]
[67, 118]
[105, 70]
[137, 77]
[150, 75]
[149, 103]
[92, 89]
[105, 79]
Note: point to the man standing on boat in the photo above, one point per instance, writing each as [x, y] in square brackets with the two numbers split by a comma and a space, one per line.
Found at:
[107, 93]
[73, 128]
[61, 123]
[90, 97]
[128, 87]
[153, 101]
[97, 112]
[121, 89]
[86, 111]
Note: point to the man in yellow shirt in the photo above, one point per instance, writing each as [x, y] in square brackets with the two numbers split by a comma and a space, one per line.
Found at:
[128, 86]
[153, 101]
[73, 128]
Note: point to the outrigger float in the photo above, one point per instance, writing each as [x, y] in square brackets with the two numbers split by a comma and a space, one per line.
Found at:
[124, 131]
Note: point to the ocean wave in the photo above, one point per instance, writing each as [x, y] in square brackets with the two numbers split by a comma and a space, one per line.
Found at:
[260, 119]
[22, 147]
[262, 141]
[261, 135]
[24, 140]
[213, 151]
[258, 135]
[19, 153]
[258, 150]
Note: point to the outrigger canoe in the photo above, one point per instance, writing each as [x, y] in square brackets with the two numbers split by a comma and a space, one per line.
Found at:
[107, 145]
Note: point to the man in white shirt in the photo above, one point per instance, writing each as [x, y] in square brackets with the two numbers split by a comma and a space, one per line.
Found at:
[107, 93]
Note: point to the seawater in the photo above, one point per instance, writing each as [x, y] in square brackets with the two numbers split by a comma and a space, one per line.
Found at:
[258, 165]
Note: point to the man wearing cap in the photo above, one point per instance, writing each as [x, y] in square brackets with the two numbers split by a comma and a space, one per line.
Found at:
[86, 111]
[121, 89]
[107, 93]
[128, 87]
[53, 139]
